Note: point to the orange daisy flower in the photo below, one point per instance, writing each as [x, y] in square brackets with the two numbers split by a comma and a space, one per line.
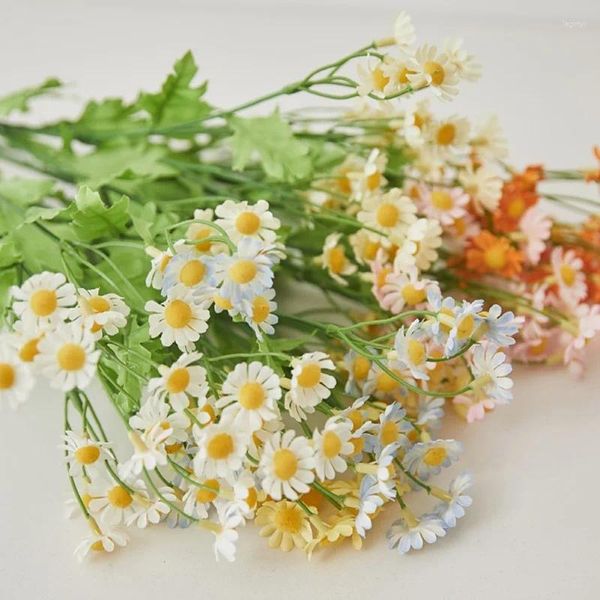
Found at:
[517, 197]
[493, 254]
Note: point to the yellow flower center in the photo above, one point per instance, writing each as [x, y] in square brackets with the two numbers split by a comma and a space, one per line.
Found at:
[539, 347]
[201, 234]
[403, 76]
[29, 350]
[7, 376]
[43, 302]
[178, 380]
[495, 257]
[380, 80]
[360, 368]
[192, 273]
[97, 546]
[87, 455]
[247, 223]
[373, 181]
[568, 274]
[358, 443]
[205, 495]
[260, 309]
[434, 457]
[385, 383]
[252, 395]
[178, 314]
[252, 497]
[119, 497]
[370, 250]
[71, 357]
[446, 134]
[331, 444]
[356, 418]
[336, 259]
[242, 271]
[310, 375]
[416, 351]
[222, 303]
[387, 215]
[220, 446]
[288, 518]
[516, 207]
[435, 71]
[465, 327]
[389, 433]
[98, 304]
[164, 262]
[412, 295]
[285, 464]
[441, 200]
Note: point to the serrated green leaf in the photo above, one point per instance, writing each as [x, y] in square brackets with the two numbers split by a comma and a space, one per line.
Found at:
[178, 101]
[106, 115]
[9, 253]
[93, 220]
[19, 100]
[283, 157]
[7, 280]
[25, 192]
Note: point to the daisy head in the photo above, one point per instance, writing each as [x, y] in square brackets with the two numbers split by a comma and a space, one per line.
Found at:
[81, 452]
[67, 357]
[259, 313]
[331, 445]
[431, 68]
[221, 449]
[366, 247]
[44, 298]
[567, 269]
[411, 349]
[491, 373]
[444, 203]
[464, 64]
[199, 233]
[25, 338]
[428, 458]
[286, 466]
[104, 540]
[416, 123]
[371, 79]
[180, 319]
[409, 533]
[181, 381]
[369, 180]
[191, 270]
[536, 228]
[334, 259]
[16, 380]
[241, 219]
[404, 31]
[249, 395]
[285, 524]
[484, 186]
[114, 502]
[405, 289]
[420, 246]
[100, 313]
[450, 135]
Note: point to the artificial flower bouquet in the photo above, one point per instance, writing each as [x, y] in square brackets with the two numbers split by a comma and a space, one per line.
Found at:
[162, 252]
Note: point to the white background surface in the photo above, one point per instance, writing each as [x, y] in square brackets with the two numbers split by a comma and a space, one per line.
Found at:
[533, 529]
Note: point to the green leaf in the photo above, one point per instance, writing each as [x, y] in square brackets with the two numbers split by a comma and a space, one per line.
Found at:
[9, 254]
[283, 157]
[7, 280]
[19, 100]
[93, 220]
[108, 115]
[25, 192]
[178, 101]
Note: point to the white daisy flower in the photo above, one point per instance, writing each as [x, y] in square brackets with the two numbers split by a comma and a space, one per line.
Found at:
[67, 357]
[369, 179]
[371, 79]
[444, 204]
[385, 470]
[151, 511]
[201, 233]
[286, 466]
[113, 502]
[198, 500]
[155, 413]
[25, 338]
[411, 349]
[498, 327]
[226, 535]
[567, 269]
[160, 260]
[491, 373]
[331, 445]
[245, 495]
[249, 395]
[431, 411]
[405, 289]
[428, 458]
[483, 185]
[16, 379]
[149, 450]
[358, 368]
[259, 313]
[466, 323]
[182, 380]
[450, 135]
[370, 501]
[489, 140]
[221, 449]
[391, 429]
[404, 30]
[420, 245]
[366, 247]
[241, 219]
[463, 63]
[247, 273]
[190, 270]
[100, 313]
[454, 508]
[43, 299]
[310, 383]
[180, 319]
[416, 123]
[391, 213]
[536, 228]
[433, 69]
[101, 541]
[334, 259]
[81, 452]
[403, 537]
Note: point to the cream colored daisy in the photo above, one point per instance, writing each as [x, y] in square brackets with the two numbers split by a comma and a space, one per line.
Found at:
[369, 180]
[180, 381]
[259, 313]
[100, 313]
[221, 449]
[180, 319]
[390, 213]
[396, 70]
[404, 30]
[331, 445]
[249, 395]
[43, 299]
[285, 524]
[416, 123]
[197, 501]
[366, 248]
[489, 141]
[465, 65]
[67, 357]
[420, 247]
[16, 379]
[310, 383]
[450, 135]
[201, 232]
[25, 338]
[483, 184]
[446, 204]
[105, 540]
[113, 502]
[159, 262]
[286, 466]
[241, 219]
[372, 80]
[191, 270]
[432, 69]
[81, 452]
[334, 259]
[405, 288]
